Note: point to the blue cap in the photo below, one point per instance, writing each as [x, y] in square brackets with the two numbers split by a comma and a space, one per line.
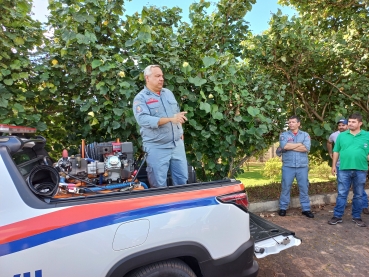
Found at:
[342, 120]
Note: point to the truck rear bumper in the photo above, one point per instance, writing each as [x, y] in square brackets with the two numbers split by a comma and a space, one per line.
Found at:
[269, 237]
[240, 264]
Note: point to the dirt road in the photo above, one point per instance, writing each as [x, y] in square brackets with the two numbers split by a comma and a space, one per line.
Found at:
[326, 250]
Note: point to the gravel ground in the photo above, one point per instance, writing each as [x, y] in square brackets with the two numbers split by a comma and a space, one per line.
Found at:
[326, 250]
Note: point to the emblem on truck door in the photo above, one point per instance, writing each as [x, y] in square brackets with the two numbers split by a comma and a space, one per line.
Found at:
[38, 273]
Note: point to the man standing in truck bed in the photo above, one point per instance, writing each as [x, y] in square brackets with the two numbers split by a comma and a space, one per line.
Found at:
[157, 112]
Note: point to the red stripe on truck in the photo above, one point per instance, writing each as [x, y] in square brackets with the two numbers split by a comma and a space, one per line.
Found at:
[84, 212]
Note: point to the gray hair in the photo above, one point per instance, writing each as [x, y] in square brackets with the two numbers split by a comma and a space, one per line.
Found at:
[147, 70]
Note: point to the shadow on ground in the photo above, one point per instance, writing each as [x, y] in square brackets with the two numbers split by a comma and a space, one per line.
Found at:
[326, 250]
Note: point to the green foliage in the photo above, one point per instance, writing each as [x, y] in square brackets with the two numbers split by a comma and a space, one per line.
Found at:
[19, 36]
[89, 78]
[252, 175]
[90, 68]
[320, 61]
[272, 168]
[263, 188]
[319, 168]
[237, 88]
[230, 107]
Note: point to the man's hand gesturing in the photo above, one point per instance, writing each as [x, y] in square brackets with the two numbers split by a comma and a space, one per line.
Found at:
[179, 118]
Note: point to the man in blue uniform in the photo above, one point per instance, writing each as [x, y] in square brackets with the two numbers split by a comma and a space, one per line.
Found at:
[295, 145]
[160, 120]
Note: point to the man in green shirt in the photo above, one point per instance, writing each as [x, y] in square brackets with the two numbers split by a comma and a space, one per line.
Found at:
[352, 149]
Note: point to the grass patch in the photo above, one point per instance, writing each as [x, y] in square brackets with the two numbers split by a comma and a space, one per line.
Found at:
[254, 177]
[260, 188]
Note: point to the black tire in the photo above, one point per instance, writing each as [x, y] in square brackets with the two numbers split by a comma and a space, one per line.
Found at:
[168, 268]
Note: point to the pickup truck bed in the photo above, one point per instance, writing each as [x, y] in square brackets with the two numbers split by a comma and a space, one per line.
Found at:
[194, 230]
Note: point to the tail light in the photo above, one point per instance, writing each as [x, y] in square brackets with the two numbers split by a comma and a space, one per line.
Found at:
[4, 128]
[239, 199]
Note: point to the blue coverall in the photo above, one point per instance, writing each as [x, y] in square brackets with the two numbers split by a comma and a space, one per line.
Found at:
[163, 143]
[295, 165]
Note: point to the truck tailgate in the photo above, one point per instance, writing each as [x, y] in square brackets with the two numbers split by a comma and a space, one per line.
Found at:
[269, 237]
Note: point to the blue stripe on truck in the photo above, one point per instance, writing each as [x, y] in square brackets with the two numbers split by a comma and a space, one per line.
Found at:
[83, 226]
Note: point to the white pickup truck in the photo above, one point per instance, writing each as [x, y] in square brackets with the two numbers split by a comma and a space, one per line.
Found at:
[198, 229]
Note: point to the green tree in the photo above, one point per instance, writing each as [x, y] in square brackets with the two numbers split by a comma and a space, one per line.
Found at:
[272, 168]
[88, 78]
[343, 37]
[235, 87]
[19, 37]
[320, 58]
[230, 108]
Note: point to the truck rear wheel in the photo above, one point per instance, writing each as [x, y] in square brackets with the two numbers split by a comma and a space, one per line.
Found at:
[169, 268]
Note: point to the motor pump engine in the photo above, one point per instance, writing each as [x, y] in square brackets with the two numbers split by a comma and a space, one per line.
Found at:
[118, 160]
[110, 162]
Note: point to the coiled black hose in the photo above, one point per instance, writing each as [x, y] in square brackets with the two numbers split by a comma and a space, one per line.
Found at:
[43, 180]
[92, 152]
